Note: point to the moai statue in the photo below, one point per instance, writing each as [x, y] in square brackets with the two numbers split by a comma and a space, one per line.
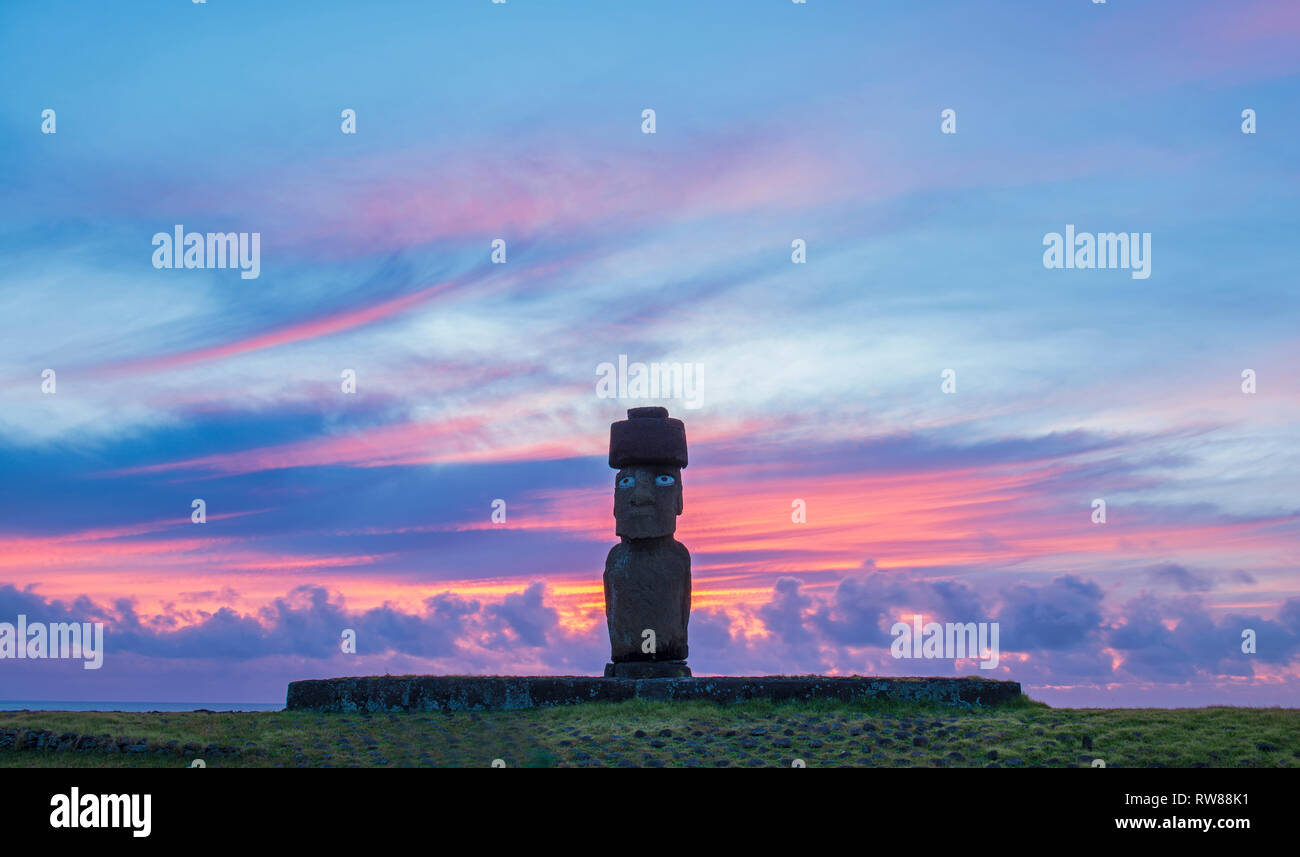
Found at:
[648, 573]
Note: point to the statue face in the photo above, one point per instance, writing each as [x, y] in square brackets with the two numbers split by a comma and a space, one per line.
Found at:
[647, 501]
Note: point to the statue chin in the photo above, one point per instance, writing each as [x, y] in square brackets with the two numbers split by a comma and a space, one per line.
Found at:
[645, 528]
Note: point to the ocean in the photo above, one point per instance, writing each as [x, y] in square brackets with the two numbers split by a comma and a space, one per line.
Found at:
[46, 705]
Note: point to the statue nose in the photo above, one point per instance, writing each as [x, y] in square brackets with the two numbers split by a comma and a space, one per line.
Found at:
[642, 495]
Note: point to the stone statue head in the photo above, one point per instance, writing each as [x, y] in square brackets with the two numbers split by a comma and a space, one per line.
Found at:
[647, 501]
[649, 451]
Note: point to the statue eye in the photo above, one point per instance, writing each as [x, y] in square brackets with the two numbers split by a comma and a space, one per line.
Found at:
[664, 479]
[627, 482]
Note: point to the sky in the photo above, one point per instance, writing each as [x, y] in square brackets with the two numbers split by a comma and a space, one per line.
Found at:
[942, 407]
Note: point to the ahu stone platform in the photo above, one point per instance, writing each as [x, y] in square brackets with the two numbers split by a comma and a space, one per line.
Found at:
[486, 693]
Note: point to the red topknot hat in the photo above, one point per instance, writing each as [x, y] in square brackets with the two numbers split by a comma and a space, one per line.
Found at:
[647, 436]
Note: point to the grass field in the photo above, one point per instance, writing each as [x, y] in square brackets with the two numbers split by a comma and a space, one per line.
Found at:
[677, 734]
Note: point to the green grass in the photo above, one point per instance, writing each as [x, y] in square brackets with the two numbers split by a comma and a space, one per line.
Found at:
[699, 734]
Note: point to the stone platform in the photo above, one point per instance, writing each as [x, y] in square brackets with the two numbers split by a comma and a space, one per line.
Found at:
[648, 669]
[483, 693]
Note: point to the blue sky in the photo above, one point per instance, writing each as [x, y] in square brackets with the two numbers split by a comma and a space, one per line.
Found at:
[475, 381]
